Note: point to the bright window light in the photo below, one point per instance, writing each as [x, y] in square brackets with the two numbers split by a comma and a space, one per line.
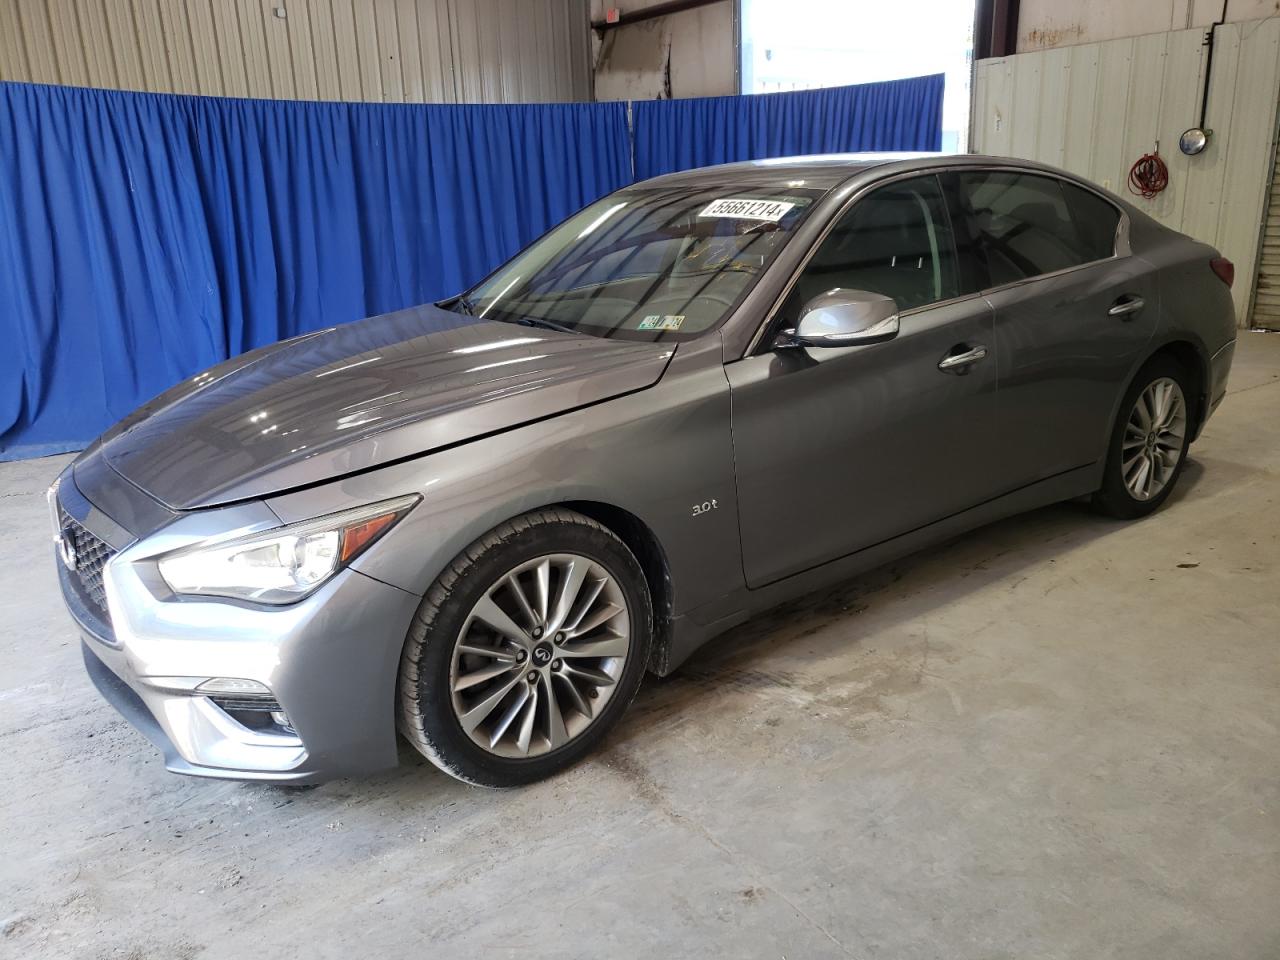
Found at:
[807, 44]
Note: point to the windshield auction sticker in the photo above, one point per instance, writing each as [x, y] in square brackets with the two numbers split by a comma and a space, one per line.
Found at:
[745, 209]
[658, 322]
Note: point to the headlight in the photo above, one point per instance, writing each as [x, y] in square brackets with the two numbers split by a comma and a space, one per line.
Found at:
[285, 564]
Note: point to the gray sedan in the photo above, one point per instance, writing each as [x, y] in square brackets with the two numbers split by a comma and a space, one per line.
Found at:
[480, 522]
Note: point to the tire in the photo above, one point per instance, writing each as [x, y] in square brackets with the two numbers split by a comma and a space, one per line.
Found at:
[1116, 497]
[435, 664]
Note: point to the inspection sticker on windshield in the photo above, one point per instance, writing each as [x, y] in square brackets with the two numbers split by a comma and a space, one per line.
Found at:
[743, 209]
[656, 321]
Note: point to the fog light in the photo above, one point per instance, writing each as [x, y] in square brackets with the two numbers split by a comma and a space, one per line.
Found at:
[235, 688]
[281, 720]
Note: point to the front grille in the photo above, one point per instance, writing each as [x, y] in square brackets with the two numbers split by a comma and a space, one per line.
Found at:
[90, 558]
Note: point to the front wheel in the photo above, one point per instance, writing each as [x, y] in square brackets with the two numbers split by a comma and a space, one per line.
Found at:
[1149, 442]
[526, 650]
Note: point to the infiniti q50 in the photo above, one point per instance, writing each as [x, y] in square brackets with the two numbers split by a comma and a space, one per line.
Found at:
[477, 524]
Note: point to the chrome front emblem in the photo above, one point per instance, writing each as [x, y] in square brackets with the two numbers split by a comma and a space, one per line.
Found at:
[67, 549]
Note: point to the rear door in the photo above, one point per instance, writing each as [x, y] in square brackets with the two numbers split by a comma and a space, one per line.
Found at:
[837, 449]
[1072, 309]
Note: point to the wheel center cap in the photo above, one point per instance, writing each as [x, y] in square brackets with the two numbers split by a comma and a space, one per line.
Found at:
[542, 654]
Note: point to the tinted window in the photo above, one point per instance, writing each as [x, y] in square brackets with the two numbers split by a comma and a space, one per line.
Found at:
[895, 241]
[1096, 221]
[1024, 227]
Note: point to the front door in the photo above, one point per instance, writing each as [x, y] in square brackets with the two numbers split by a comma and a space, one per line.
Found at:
[837, 449]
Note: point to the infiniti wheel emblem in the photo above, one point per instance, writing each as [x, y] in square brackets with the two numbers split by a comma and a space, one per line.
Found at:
[542, 654]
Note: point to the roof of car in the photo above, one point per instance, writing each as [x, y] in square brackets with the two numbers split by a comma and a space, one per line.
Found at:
[823, 171]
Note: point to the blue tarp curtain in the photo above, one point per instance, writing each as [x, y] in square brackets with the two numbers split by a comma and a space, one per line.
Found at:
[144, 237]
[895, 115]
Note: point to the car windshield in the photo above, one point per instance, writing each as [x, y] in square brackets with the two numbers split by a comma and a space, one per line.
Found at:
[658, 264]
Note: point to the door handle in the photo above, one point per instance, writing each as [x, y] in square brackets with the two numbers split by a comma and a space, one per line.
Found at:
[960, 362]
[1126, 306]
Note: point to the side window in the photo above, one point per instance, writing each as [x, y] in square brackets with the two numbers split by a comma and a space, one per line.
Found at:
[895, 241]
[1027, 225]
[1096, 221]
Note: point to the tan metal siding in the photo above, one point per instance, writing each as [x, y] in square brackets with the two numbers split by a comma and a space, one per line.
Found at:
[383, 50]
[175, 28]
[1096, 108]
[95, 38]
[151, 44]
[34, 17]
[226, 40]
[122, 35]
[73, 67]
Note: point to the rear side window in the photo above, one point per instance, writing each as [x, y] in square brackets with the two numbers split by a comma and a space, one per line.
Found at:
[1096, 221]
[1025, 225]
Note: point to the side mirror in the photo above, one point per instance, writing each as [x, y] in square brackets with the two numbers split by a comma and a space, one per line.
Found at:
[844, 318]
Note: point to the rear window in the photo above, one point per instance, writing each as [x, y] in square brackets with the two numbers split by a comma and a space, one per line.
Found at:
[1026, 225]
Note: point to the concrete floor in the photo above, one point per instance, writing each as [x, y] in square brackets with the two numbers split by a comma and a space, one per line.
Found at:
[1057, 737]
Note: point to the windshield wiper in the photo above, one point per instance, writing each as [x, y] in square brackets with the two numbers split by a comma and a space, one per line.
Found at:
[467, 306]
[544, 324]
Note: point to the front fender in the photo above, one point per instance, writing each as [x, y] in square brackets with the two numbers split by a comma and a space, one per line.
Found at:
[656, 454]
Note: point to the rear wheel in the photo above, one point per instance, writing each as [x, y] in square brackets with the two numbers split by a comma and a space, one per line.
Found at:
[1149, 442]
[526, 650]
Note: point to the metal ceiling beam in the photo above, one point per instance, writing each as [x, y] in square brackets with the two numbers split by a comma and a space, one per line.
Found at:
[657, 10]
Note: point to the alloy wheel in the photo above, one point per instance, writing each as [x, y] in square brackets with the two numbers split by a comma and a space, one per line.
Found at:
[1153, 439]
[539, 655]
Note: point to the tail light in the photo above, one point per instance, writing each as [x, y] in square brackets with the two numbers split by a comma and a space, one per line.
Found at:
[1224, 268]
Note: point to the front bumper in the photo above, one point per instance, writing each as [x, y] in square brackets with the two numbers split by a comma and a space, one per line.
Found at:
[329, 660]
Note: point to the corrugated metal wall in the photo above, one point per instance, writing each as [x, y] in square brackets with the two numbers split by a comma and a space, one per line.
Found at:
[1094, 109]
[497, 51]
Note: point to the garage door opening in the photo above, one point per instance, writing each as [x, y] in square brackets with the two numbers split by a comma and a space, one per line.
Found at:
[806, 44]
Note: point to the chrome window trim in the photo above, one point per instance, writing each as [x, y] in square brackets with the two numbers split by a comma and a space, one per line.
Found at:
[1120, 246]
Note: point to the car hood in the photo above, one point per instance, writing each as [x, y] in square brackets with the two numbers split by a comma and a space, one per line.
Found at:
[348, 398]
